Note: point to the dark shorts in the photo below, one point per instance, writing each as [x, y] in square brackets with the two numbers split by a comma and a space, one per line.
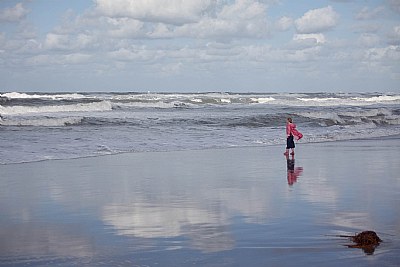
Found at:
[290, 142]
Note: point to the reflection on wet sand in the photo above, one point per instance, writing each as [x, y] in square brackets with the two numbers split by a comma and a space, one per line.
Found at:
[205, 229]
[189, 204]
[292, 172]
[52, 240]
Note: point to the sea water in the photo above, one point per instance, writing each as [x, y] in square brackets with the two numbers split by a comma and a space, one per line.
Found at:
[40, 126]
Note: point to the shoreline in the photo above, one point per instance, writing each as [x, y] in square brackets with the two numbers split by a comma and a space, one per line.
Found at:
[389, 137]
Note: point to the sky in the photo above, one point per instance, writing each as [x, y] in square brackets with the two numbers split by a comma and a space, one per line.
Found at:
[200, 45]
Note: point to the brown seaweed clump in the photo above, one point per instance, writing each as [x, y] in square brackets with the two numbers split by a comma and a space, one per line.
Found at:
[367, 241]
[367, 238]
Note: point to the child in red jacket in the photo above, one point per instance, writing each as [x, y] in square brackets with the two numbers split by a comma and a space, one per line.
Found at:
[291, 132]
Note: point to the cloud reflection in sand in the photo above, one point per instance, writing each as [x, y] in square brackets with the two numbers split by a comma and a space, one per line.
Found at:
[204, 229]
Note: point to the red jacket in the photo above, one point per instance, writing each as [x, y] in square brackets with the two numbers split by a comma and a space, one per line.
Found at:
[291, 130]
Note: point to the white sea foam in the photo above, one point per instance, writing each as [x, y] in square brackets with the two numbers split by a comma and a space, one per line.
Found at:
[315, 99]
[159, 104]
[15, 95]
[353, 101]
[262, 100]
[82, 107]
[379, 99]
[225, 100]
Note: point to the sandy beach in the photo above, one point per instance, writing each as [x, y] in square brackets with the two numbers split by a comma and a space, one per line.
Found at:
[215, 207]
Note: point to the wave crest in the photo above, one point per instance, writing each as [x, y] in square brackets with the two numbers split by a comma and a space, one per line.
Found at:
[81, 107]
[16, 95]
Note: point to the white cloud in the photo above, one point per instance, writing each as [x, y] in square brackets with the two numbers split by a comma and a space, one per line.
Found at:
[243, 10]
[125, 28]
[317, 20]
[317, 38]
[56, 41]
[390, 53]
[243, 18]
[284, 23]
[67, 42]
[13, 14]
[183, 19]
[168, 11]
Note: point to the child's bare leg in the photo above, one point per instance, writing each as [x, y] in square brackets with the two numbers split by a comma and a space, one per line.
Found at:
[287, 152]
[292, 151]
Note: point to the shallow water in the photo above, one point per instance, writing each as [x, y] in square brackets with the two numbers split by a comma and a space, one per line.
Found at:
[228, 207]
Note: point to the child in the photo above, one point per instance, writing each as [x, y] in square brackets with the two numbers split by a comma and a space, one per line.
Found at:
[290, 133]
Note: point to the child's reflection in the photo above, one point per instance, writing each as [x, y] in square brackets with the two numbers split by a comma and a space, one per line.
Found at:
[292, 171]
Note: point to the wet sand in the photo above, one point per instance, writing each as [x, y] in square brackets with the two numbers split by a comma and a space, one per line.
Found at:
[225, 207]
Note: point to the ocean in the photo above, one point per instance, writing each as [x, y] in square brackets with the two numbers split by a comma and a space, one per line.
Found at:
[47, 126]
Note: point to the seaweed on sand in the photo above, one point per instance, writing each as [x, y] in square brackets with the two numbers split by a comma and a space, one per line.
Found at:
[366, 240]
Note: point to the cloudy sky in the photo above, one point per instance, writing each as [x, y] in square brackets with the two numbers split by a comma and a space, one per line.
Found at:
[200, 45]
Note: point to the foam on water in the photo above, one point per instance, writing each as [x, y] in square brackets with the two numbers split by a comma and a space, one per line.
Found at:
[89, 107]
[15, 95]
[383, 98]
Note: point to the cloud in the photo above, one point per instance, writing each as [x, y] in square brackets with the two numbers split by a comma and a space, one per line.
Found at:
[66, 59]
[134, 53]
[13, 14]
[367, 14]
[383, 54]
[67, 42]
[395, 5]
[366, 28]
[394, 36]
[243, 10]
[205, 19]
[317, 20]
[369, 40]
[241, 19]
[56, 41]
[169, 11]
[317, 38]
[284, 23]
[125, 28]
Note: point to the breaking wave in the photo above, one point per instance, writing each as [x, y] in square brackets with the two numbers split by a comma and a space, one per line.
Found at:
[81, 107]
[15, 95]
